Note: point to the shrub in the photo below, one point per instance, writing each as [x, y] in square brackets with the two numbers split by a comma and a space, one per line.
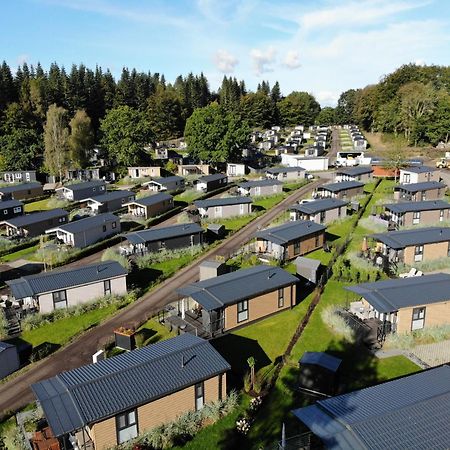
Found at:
[5, 244]
[3, 324]
[331, 317]
[113, 255]
[428, 335]
[149, 259]
[247, 382]
[54, 202]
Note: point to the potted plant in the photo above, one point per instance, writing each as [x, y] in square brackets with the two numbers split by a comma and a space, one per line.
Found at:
[125, 338]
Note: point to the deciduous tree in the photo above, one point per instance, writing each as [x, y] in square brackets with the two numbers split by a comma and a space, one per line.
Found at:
[81, 139]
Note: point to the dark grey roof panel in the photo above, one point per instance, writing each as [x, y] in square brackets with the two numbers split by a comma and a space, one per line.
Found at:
[319, 205]
[30, 219]
[417, 187]
[165, 180]
[84, 185]
[224, 201]
[354, 171]
[429, 205]
[321, 359]
[419, 236]
[88, 223]
[290, 231]
[232, 287]
[156, 234]
[260, 183]
[18, 187]
[391, 295]
[10, 204]
[277, 170]
[62, 279]
[110, 196]
[209, 178]
[152, 199]
[419, 169]
[342, 186]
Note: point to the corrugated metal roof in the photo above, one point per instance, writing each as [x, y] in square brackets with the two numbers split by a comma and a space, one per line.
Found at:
[321, 359]
[31, 285]
[417, 187]
[232, 287]
[97, 391]
[277, 170]
[18, 187]
[319, 205]
[307, 262]
[209, 178]
[88, 223]
[354, 171]
[429, 205]
[151, 199]
[419, 169]
[110, 196]
[83, 185]
[341, 186]
[419, 236]
[260, 183]
[164, 180]
[410, 412]
[156, 234]
[30, 219]
[224, 201]
[4, 204]
[391, 295]
[290, 231]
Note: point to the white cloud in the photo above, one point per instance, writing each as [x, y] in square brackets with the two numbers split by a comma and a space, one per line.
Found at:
[262, 60]
[225, 61]
[292, 59]
[327, 98]
[226, 11]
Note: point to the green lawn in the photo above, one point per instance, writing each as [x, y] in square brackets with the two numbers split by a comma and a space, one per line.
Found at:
[188, 196]
[45, 204]
[24, 253]
[268, 202]
[235, 223]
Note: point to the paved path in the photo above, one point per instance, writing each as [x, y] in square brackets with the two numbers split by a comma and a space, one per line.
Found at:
[16, 393]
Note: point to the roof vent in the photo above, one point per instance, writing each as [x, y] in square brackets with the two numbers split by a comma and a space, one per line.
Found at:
[271, 274]
[183, 362]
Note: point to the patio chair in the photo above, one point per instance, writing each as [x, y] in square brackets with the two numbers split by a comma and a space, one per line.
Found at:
[419, 273]
[412, 273]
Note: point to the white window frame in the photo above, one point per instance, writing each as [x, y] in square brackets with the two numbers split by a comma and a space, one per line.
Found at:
[418, 253]
[242, 311]
[416, 217]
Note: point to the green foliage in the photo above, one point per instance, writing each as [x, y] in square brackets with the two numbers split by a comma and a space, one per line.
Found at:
[298, 108]
[81, 139]
[3, 324]
[326, 116]
[428, 335]
[113, 255]
[258, 109]
[125, 133]
[214, 135]
[150, 259]
[331, 317]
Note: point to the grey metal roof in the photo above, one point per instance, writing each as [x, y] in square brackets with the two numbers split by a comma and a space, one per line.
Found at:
[419, 236]
[354, 171]
[152, 199]
[4, 204]
[164, 180]
[321, 359]
[277, 170]
[419, 169]
[232, 287]
[97, 391]
[88, 223]
[213, 177]
[110, 196]
[83, 185]
[423, 186]
[307, 262]
[157, 234]
[30, 219]
[55, 280]
[224, 201]
[316, 206]
[4, 346]
[429, 205]
[391, 295]
[290, 231]
[256, 183]
[410, 412]
[19, 187]
[341, 186]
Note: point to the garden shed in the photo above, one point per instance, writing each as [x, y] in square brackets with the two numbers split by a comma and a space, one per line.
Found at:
[308, 268]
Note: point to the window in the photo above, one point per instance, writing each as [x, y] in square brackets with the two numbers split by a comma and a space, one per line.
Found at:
[114, 225]
[406, 178]
[220, 386]
[317, 240]
[5, 211]
[242, 311]
[448, 249]
[418, 318]
[59, 300]
[416, 217]
[17, 209]
[107, 287]
[296, 247]
[199, 395]
[126, 425]
[418, 253]
[61, 219]
[280, 298]
[441, 215]
[339, 211]
[322, 218]
[104, 228]
[424, 196]
[284, 174]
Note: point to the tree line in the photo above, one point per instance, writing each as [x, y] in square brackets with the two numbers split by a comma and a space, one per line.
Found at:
[51, 119]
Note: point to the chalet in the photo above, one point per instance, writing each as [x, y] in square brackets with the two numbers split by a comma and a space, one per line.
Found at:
[402, 305]
[418, 174]
[22, 191]
[218, 208]
[407, 214]
[92, 173]
[412, 246]
[10, 209]
[173, 237]
[342, 190]
[80, 191]
[108, 403]
[9, 359]
[319, 211]
[309, 163]
[65, 288]
[236, 169]
[415, 192]
[413, 410]
[291, 239]
[210, 183]
[260, 188]
[35, 224]
[18, 176]
[109, 202]
[286, 173]
[143, 172]
[167, 184]
[84, 232]
[355, 173]
[193, 169]
[222, 303]
[150, 206]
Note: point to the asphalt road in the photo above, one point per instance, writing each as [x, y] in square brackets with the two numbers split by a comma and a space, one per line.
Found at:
[16, 393]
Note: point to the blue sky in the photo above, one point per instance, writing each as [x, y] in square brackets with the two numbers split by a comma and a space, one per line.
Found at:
[323, 47]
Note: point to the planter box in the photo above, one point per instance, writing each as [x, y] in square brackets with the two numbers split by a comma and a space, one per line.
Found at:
[125, 341]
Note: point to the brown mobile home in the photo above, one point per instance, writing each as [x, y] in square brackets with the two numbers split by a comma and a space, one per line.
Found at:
[342, 190]
[21, 191]
[416, 192]
[356, 173]
[110, 402]
[150, 206]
